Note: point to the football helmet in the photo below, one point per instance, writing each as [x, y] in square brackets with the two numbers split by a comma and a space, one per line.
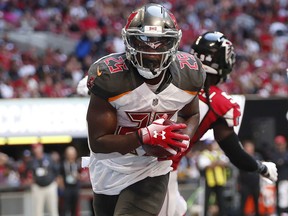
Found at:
[151, 36]
[216, 53]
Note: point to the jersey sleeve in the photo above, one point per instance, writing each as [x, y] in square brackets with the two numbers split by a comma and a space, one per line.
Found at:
[232, 116]
[188, 72]
[224, 106]
[97, 81]
[111, 76]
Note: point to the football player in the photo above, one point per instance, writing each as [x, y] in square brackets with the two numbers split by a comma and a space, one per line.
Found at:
[131, 96]
[219, 112]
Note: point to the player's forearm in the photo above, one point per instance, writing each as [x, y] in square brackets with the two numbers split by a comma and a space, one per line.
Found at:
[192, 124]
[114, 143]
[190, 116]
[237, 155]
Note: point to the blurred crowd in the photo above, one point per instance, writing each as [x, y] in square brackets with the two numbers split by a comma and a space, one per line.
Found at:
[58, 178]
[257, 28]
[225, 190]
[54, 179]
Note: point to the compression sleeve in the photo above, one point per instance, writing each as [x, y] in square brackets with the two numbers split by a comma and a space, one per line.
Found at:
[237, 155]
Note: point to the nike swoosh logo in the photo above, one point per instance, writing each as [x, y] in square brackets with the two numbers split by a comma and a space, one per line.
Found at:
[99, 73]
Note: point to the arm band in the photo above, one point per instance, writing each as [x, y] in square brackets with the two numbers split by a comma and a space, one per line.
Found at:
[139, 136]
[262, 169]
[237, 155]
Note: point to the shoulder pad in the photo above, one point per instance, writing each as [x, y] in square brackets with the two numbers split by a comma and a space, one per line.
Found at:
[224, 105]
[111, 76]
[192, 72]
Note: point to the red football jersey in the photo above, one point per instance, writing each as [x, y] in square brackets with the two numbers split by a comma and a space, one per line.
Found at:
[221, 105]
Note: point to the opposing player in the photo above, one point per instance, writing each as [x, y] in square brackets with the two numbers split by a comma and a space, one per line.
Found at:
[131, 96]
[217, 111]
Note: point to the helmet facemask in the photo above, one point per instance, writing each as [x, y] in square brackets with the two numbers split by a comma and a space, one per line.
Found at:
[228, 59]
[151, 48]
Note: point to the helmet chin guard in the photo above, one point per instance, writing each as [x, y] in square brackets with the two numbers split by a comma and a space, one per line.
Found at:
[147, 74]
[152, 38]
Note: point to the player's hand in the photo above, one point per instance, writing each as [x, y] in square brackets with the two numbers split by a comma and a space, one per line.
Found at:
[268, 170]
[164, 135]
[176, 158]
[179, 154]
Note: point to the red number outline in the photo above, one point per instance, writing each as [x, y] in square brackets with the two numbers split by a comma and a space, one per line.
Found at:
[143, 119]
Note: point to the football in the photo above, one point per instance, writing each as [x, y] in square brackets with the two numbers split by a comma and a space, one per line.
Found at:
[157, 151]
[168, 122]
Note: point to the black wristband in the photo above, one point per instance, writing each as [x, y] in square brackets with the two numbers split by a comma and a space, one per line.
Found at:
[139, 136]
[262, 169]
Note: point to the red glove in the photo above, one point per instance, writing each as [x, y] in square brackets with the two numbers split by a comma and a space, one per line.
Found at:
[163, 135]
[176, 157]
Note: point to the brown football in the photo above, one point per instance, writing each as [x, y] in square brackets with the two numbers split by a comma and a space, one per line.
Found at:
[157, 151]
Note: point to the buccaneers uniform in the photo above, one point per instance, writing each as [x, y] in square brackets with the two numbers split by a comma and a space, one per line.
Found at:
[114, 79]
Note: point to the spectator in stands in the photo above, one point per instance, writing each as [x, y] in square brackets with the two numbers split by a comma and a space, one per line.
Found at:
[44, 186]
[83, 46]
[280, 157]
[3, 170]
[9, 176]
[249, 182]
[25, 176]
[213, 163]
[70, 181]
[73, 71]
[28, 22]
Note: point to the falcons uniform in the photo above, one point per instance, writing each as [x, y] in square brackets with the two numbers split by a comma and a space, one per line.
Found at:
[221, 106]
[115, 79]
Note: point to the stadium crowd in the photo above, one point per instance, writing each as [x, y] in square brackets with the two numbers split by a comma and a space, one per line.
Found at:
[258, 30]
[22, 173]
